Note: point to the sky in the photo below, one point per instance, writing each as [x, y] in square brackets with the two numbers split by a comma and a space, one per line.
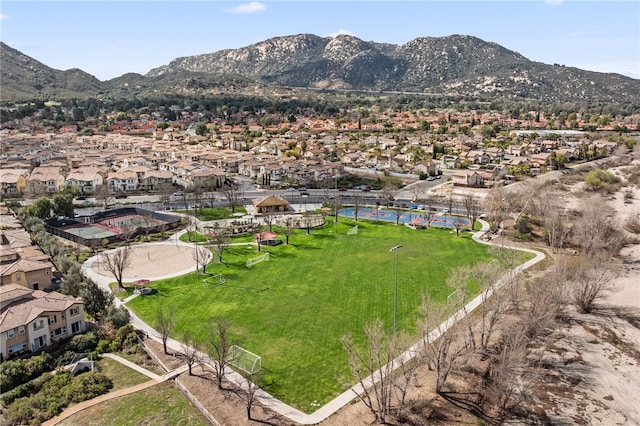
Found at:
[110, 38]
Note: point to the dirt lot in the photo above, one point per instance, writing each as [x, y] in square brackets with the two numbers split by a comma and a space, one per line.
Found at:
[149, 261]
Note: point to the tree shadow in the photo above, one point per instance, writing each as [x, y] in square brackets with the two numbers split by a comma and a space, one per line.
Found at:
[467, 401]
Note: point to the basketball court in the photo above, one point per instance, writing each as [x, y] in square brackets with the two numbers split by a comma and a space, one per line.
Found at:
[413, 217]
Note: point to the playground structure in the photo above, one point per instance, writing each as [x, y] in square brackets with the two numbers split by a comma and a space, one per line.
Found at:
[262, 258]
[244, 360]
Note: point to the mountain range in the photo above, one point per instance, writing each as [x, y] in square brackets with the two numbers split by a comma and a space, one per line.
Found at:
[457, 66]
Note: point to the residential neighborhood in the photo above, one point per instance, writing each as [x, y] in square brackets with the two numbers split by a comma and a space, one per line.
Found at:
[147, 156]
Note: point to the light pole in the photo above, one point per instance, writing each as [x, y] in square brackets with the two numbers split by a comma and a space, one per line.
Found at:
[335, 205]
[395, 288]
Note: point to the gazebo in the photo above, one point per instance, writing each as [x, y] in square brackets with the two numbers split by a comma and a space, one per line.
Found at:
[141, 286]
[267, 238]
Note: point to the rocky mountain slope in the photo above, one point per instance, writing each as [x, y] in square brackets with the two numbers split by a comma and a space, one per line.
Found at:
[456, 65]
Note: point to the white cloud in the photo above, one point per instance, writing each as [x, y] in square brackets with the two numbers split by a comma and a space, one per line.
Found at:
[3, 17]
[251, 7]
[341, 32]
[554, 2]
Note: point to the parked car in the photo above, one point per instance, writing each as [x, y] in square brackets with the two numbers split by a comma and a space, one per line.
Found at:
[120, 196]
[342, 189]
[431, 178]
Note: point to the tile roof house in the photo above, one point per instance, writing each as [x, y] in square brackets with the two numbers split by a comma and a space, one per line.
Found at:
[45, 179]
[122, 181]
[33, 319]
[13, 182]
[467, 178]
[87, 179]
[24, 266]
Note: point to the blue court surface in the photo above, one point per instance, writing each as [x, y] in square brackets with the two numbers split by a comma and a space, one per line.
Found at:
[415, 217]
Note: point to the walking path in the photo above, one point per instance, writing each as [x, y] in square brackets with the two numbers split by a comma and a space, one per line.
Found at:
[349, 395]
[156, 379]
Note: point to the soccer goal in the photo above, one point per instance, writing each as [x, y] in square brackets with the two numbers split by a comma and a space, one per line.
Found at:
[213, 281]
[457, 294]
[353, 231]
[262, 258]
[244, 360]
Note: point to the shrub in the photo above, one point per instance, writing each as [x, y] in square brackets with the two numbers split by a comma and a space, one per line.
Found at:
[104, 345]
[118, 316]
[87, 386]
[599, 179]
[83, 343]
[19, 371]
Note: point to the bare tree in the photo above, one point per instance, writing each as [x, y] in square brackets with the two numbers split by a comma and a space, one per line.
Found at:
[197, 195]
[429, 212]
[190, 350]
[389, 192]
[117, 262]
[269, 219]
[254, 381]
[219, 345]
[233, 195]
[164, 323]
[556, 231]
[165, 190]
[288, 225]
[219, 238]
[450, 202]
[496, 208]
[356, 200]
[509, 376]
[191, 226]
[443, 348]
[472, 207]
[458, 224]
[202, 256]
[595, 231]
[546, 298]
[103, 196]
[384, 376]
[593, 278]
[417, 191]
[491, 309]
[307, 221]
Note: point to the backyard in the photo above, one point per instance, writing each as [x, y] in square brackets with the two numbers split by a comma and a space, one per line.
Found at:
[292, 309]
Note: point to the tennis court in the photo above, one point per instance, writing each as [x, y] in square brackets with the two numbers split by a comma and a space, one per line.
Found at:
[412, 217]
[112, 225]
[89, 231]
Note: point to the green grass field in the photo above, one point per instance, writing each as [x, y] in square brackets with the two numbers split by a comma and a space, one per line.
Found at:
[162, 404]
[293, 309]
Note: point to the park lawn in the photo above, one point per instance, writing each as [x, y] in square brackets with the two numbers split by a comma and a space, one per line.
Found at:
[293, 309]
[121, 375]
[162, 404]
